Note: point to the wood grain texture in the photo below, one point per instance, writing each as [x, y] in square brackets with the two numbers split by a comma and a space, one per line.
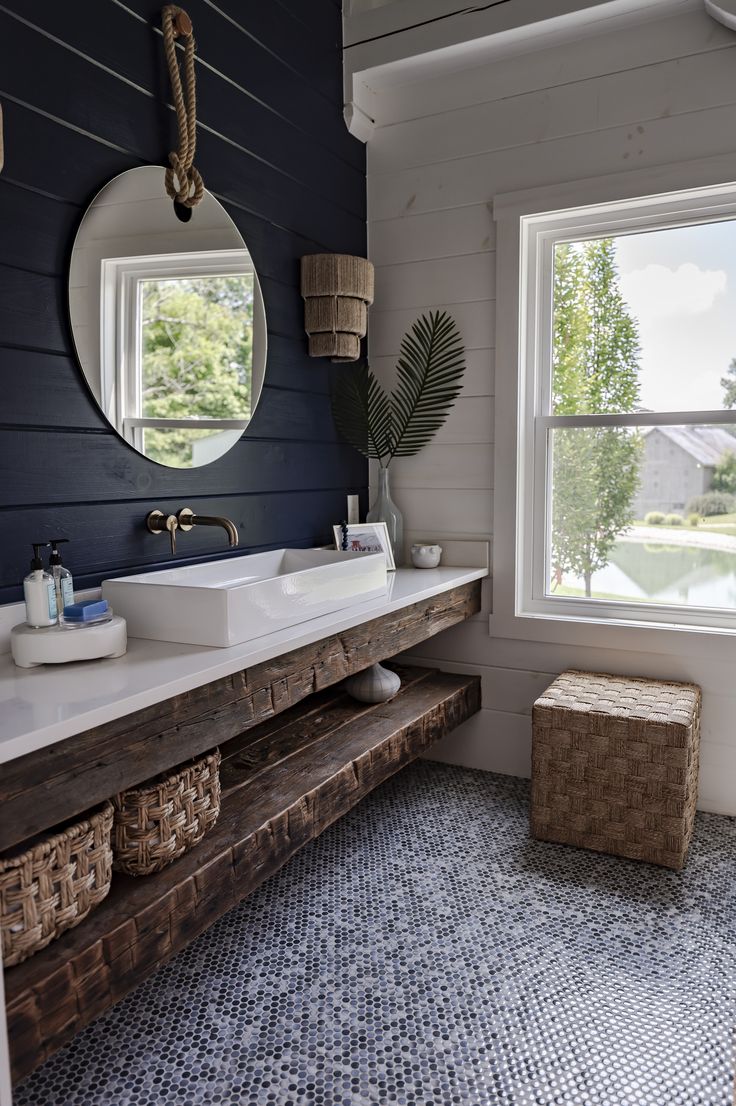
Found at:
[128, 113]
[53, 784]
[273, 148]
[239, 53]
[283, 784]
[614, 51]
[265, 466]
[604, 102]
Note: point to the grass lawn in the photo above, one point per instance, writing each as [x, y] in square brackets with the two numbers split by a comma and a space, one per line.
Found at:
[720, 520]
[579, 593]
[714, 524]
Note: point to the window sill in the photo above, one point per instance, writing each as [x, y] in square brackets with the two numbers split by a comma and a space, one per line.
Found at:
[642, 637]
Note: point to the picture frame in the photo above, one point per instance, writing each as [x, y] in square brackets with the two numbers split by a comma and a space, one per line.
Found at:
[365, 537]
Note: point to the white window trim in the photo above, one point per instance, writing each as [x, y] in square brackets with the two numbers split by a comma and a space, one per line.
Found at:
[650, 192]
[121, 278]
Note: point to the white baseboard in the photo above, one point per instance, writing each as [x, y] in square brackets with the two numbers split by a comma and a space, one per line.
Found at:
[494, 741]
[491, 741]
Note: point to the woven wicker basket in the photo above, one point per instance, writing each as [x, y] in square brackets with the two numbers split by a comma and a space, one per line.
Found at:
[53, 883]
[615, 765]
[165, 817]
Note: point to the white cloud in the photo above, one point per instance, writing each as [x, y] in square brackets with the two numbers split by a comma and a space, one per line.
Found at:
[656, 292]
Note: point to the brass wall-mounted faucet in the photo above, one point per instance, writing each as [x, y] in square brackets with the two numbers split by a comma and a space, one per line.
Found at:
[159, 523]
[187, 519]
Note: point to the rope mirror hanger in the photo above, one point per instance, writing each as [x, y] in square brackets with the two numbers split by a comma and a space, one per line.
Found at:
[183, 181]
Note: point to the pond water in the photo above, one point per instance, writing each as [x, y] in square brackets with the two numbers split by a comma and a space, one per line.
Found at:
[685, 575]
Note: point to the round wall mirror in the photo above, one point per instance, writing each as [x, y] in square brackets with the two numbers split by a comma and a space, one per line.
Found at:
[168, 320]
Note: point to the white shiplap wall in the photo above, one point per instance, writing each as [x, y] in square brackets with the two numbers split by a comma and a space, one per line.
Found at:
[653, 94]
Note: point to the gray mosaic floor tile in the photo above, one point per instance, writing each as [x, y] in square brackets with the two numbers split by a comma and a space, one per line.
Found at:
[425, 952]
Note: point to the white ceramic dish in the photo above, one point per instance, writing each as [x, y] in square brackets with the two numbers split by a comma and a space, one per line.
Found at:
[32, 646]
[426, 556]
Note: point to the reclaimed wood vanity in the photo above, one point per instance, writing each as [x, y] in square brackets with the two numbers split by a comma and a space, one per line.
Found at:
[297, 753]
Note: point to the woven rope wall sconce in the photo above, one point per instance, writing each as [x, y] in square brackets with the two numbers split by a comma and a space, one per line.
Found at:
[337, 289]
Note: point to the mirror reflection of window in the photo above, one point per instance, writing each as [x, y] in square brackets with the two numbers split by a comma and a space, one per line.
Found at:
[168, 321]
[195, 360]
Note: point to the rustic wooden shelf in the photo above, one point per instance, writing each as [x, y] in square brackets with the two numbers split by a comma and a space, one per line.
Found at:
[284, 781]
[53, 784]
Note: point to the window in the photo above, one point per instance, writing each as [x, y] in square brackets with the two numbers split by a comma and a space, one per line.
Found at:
[177, 351]
[626, 479]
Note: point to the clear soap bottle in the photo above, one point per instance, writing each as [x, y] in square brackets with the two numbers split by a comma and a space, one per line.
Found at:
[63, 582]
[39, 592]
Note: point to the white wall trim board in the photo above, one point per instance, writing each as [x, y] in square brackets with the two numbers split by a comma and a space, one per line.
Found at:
[668, 126]
[398, 99]
[492, 742]
[356, 111]
[499, 738]
[473, 177]
[633, 99]
[452, 32]
[653, 181]
[415, 283]
[411, 39]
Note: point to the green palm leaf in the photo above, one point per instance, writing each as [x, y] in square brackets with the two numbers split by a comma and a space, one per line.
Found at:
[429, 373]
[430, 369]
[362, 412]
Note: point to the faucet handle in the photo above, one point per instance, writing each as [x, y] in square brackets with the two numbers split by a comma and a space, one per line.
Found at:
[158, 523]
[172, 525]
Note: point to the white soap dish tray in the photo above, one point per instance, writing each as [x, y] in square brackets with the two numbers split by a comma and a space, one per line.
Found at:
[31, 645]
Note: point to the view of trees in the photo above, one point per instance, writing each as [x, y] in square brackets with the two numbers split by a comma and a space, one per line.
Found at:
[197, 354]
[724, 474]
[728, 383]
[595, 370]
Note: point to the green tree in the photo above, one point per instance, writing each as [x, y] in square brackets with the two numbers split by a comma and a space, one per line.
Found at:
[728, 383]
[570, 326]
[724, 474]
[197, 338]
[595, 371]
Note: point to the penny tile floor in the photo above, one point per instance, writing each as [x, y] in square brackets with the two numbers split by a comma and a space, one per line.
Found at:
[425, 952]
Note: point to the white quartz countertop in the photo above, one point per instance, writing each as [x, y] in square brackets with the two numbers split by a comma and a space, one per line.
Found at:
[40, 706]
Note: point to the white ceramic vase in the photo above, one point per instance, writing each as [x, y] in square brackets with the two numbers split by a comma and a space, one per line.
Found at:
[373, 685]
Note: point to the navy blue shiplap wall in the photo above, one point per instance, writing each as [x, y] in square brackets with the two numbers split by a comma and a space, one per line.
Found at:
[85, 94]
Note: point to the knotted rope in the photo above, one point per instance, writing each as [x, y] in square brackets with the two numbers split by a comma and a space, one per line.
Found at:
[183, 182]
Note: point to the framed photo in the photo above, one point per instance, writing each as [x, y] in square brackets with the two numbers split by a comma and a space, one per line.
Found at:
[365, 537]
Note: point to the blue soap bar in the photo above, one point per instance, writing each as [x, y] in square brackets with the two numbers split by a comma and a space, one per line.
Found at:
[86, 610]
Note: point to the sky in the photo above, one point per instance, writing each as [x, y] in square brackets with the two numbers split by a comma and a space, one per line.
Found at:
[680, 285]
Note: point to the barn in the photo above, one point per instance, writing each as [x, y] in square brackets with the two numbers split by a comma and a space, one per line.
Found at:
[678, 464]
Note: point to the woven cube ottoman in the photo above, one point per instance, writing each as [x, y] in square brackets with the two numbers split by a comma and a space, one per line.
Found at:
[615, 765]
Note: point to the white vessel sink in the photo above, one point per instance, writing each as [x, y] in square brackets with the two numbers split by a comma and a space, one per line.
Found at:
[228, 602]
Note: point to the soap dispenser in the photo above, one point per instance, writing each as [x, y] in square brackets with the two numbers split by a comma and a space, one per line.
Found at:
[63, 583]
[39, 592]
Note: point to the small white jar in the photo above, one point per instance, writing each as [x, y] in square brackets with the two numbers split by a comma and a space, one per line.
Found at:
[426, 556]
